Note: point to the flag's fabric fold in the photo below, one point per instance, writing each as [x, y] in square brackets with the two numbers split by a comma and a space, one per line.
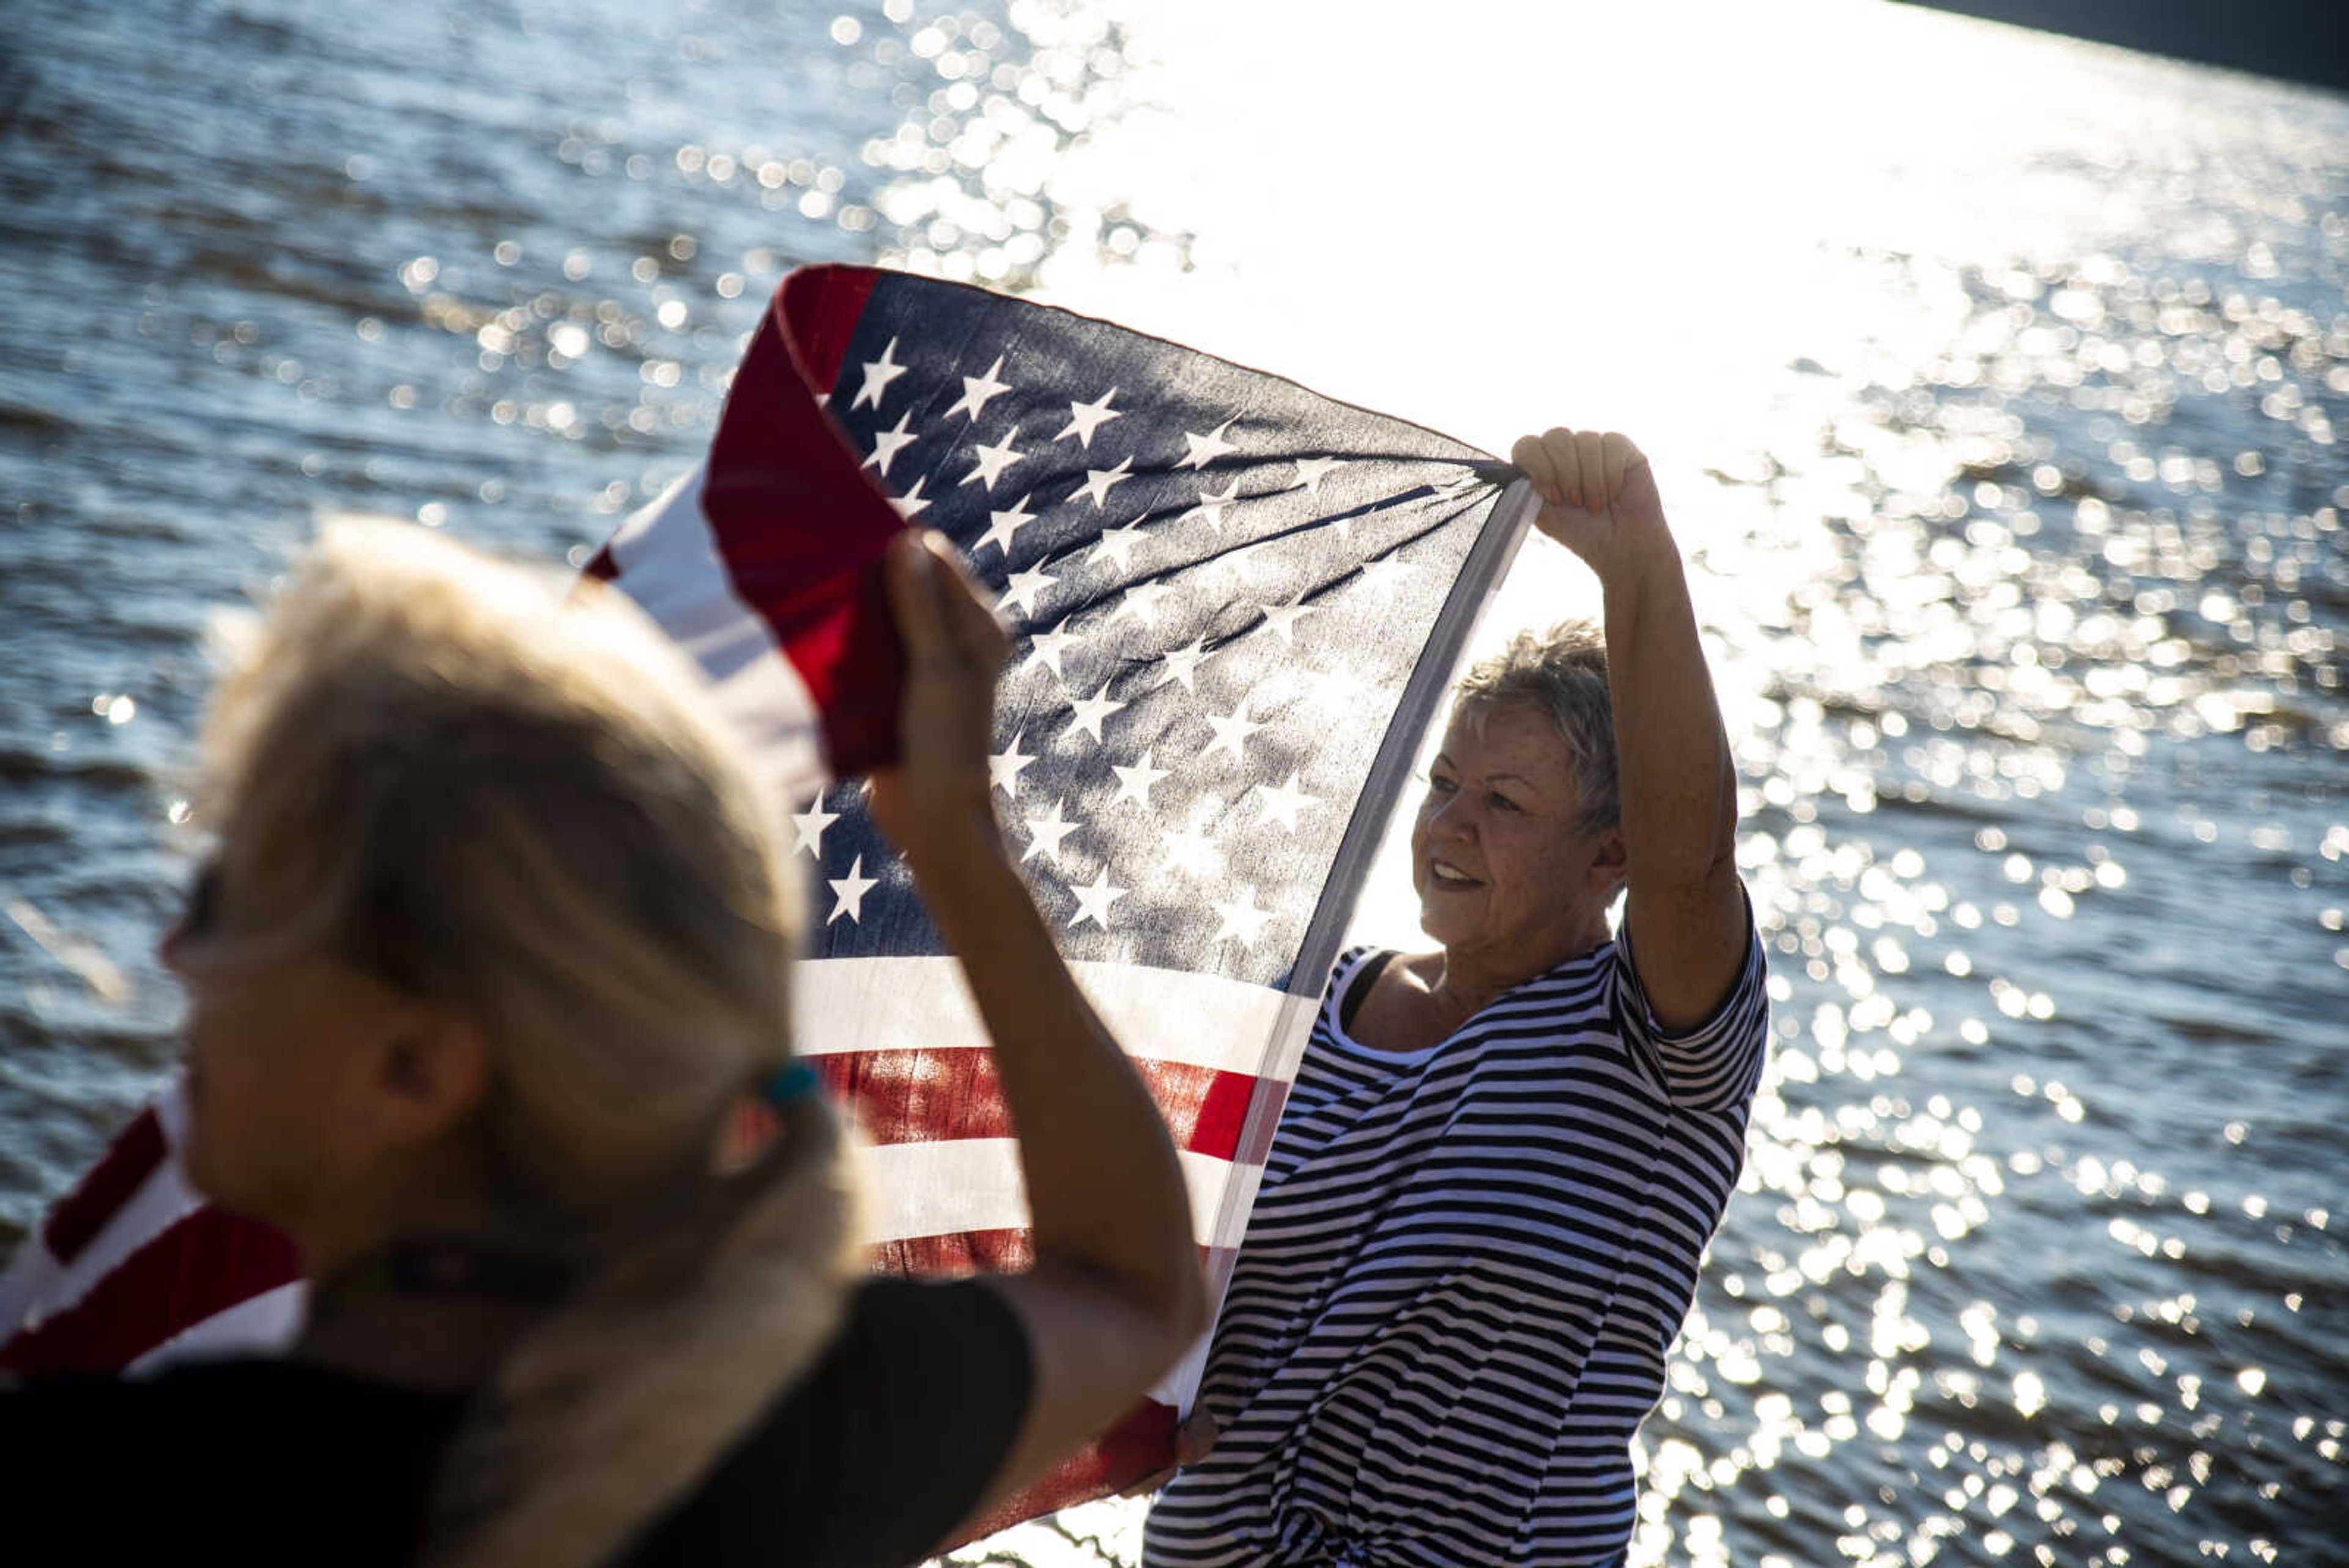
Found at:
[1234, 605]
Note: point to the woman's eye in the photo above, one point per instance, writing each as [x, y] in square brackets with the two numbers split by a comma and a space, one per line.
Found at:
[1439, 783]
[1505, 803]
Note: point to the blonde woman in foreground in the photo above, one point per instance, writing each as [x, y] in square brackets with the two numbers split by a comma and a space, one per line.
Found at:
[494, 943]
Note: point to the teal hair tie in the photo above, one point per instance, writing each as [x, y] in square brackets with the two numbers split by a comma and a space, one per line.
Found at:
[788, 1084]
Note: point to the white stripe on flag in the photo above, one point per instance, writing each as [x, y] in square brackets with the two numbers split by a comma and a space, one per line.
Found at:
[38, 1285]
[266, 1325]
[973, 1184]
[1157, 1015]
[668, 564]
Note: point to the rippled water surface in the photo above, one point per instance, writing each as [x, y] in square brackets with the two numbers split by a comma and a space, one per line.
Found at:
[1994, 382]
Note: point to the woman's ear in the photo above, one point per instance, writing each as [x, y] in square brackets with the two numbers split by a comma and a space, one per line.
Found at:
[1610, 862]
[432, 1073]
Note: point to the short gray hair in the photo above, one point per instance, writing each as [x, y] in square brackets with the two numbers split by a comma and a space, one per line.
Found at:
[1560, 674]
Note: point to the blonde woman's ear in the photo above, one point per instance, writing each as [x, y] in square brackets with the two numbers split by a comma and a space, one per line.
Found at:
[432, 1073]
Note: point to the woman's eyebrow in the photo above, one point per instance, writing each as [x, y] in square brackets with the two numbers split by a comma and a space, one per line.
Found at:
[1443, 760]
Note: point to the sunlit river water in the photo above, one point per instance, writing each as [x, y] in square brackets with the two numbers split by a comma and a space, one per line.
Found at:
[1994, 382]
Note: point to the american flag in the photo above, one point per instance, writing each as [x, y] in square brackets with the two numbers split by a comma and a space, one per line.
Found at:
[131, 1270]
[1234, 605]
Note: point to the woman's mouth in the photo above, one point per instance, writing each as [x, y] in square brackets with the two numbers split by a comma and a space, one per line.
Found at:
[1444, 876]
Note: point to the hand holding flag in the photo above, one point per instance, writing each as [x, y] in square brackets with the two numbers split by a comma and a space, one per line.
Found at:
[1598, 495]
[954, 651]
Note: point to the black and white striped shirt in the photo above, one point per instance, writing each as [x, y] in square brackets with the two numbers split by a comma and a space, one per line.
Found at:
[1461, 1278]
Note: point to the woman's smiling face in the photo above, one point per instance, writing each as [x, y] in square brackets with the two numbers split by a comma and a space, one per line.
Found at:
[1507, 879]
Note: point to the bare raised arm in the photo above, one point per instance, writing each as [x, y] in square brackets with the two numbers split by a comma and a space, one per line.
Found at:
[1682, 900]
[1116, 1294]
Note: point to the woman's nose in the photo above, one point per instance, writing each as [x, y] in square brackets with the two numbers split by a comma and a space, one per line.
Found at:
[1451, 818]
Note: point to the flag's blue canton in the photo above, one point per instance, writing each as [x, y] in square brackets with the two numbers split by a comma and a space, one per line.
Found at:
[1218, 583]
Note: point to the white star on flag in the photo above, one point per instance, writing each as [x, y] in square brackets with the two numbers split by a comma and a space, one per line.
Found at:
[1240, 920]
[888, 444]
[1385, 575]
[1231, 729]
[1045, 833]
[1118, 544]
[1281, 803]
[850, 890]
[1337, 686]
[1086, 417]
[1094, 903]
[1312, 471]
[911, 505]
[1052, 645]
[1281, 620]
[878, 374]
[1205, 449]
[978, 391]
[1099, 481]
[1025, 587]
[1235, 567]
[1141, 602]
[992, 460]
[1212, 504]
[807, 827]
[1003, 767]
[1134, 783]
[1091, 711]
[1183, 663]
[1003, 526]
[1192, 851]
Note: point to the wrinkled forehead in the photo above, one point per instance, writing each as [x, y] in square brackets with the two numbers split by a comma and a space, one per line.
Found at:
[1506, 736]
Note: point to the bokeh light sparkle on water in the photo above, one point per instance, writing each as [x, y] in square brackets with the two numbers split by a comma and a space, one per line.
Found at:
[1993, 381]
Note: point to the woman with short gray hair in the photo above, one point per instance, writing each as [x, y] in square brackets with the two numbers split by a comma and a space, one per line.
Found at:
[1481, 1221]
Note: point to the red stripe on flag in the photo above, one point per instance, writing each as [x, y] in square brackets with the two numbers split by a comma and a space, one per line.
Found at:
[937, 1097]
[798, 524]
[821, 306]
[1011, 1250]
[205, 1263]
[1222, 1114]
[98, 1196]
